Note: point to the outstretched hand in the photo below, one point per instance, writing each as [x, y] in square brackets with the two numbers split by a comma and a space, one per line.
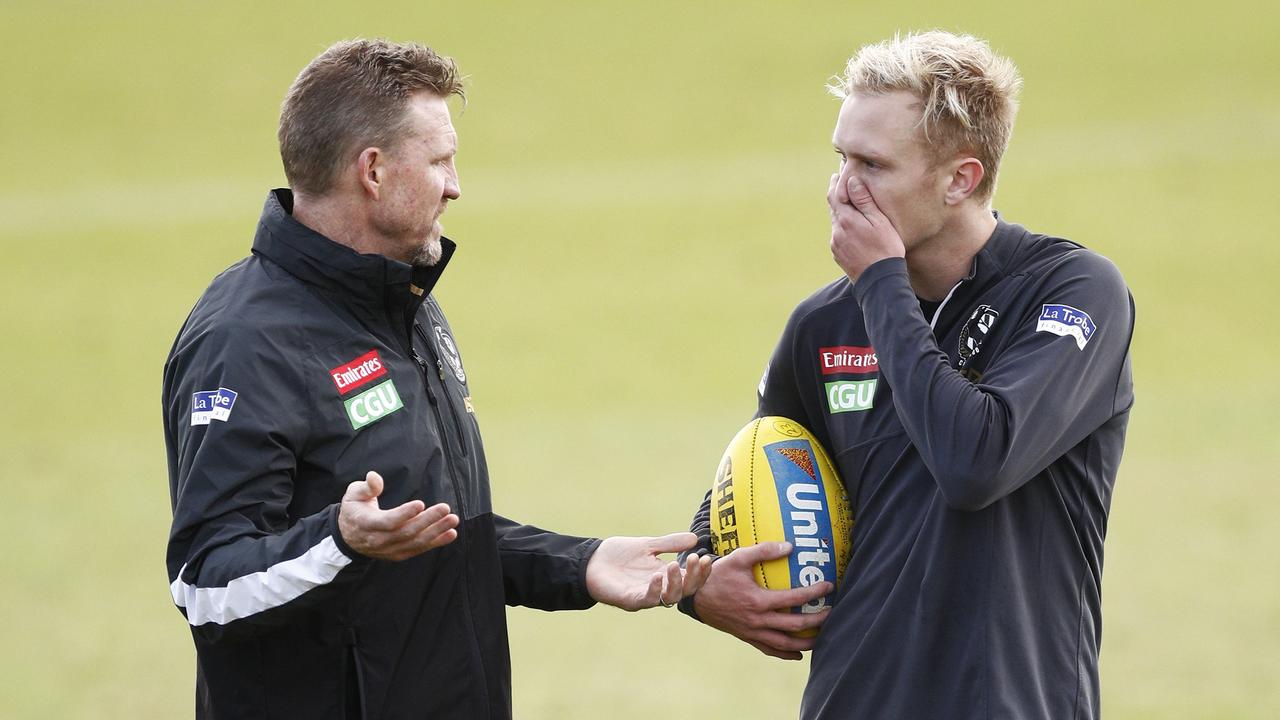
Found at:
[731, 601]
[626, 572]
[861, 234]
[396, 534]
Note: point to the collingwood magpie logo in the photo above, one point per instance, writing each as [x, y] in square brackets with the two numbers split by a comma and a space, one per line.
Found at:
[974, 332]
[449, 352]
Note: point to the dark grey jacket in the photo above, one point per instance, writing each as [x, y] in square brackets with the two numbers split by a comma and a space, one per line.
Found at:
[979, 448]
[301, 368]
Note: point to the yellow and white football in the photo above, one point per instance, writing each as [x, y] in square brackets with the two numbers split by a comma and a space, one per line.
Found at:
[775, 483]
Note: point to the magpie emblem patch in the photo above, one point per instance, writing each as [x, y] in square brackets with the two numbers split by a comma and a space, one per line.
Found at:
[449, 351]
[974, 332]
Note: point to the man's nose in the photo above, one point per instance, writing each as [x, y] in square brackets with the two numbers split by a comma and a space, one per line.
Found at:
[452, 189]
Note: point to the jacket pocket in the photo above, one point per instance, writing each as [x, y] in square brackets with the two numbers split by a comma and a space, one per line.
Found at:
[353, 683]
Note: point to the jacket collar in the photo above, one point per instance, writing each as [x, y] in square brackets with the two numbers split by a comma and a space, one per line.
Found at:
[364, 279]
[998, 254]
[989, 265]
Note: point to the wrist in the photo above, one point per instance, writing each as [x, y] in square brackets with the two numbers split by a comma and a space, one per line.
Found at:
[336, 530]
[883, 268]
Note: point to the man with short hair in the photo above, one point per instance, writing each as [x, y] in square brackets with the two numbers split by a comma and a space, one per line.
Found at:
[979, 444]
[316, 383]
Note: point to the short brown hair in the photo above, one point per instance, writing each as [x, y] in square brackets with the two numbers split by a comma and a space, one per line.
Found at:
[352, 96]
[969, 94]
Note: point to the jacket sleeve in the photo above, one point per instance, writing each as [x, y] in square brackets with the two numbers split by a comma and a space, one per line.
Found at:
[1056, 380]
[542, 569]
[235, 420]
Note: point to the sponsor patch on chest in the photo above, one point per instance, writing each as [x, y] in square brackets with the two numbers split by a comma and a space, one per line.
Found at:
[848, 359]
[373, 404]
[210, 405]
[357, 373]
[850, 395]
[1066, 321]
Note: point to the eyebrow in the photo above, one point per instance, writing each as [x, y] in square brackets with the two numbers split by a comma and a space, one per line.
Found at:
[873, 157]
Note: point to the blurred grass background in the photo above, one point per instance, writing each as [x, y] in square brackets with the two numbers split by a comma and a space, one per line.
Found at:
[642, 206]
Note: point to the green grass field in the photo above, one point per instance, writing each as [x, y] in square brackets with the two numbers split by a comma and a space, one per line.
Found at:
[642, 206]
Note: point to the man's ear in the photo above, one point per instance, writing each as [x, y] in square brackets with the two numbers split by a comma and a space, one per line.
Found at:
[371, 171]
[966, 176]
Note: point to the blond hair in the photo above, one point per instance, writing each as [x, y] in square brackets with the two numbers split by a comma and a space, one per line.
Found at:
[353, 96]
[968, 93]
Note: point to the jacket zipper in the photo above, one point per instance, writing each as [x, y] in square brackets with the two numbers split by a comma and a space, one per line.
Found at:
[353, 654]
[933, 323]
[435, 407]
[453, 411]
[426, 341]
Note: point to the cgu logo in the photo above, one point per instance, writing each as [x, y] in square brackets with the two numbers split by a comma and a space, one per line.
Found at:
[813, 558]
[850, 396]
[373, 404]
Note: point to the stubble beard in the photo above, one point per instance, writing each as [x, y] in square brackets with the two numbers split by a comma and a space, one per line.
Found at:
[429, 253]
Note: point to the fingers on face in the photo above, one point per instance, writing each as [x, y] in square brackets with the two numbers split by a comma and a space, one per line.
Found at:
[860, 197]
[854, 188]
[842, 191]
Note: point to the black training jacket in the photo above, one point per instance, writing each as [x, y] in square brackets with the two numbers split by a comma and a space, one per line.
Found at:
[300, 369]
[979, 445]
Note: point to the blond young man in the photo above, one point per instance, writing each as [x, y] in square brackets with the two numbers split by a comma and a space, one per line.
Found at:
[980, 442]
[334, 546]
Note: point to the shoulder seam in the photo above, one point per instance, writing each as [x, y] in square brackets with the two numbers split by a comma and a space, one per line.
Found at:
[846, 294]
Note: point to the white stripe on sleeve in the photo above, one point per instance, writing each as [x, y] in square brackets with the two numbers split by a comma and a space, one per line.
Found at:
[270, 588]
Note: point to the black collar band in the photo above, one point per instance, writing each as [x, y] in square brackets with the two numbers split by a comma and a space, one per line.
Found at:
[317, 260]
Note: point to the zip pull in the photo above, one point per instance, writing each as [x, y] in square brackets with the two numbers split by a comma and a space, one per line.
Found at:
[431, 396]
[440, 368]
